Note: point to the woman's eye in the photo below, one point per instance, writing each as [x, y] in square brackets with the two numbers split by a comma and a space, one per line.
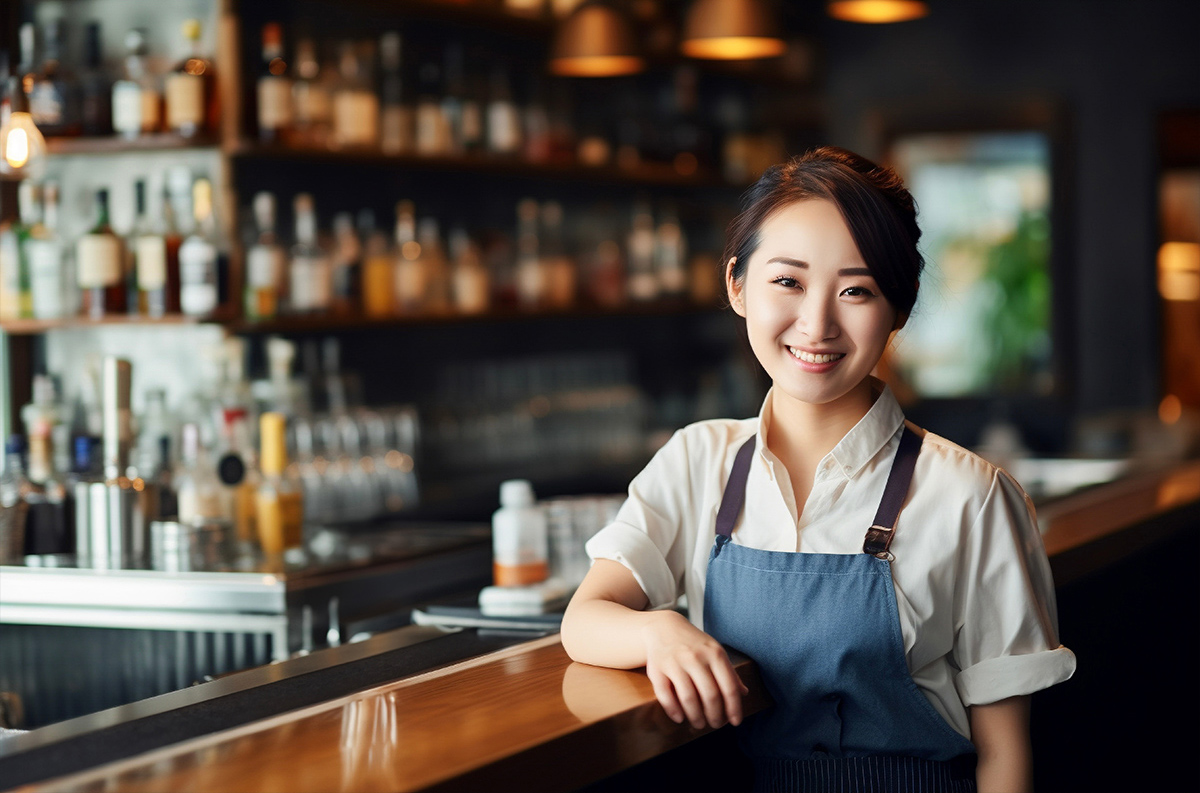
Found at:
[858, 291]
[785, 281]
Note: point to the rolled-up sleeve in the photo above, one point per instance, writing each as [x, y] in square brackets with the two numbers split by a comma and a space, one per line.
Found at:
[1006, 641]
[645, 537]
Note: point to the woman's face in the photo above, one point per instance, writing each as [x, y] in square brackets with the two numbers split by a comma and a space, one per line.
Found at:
[816, 319]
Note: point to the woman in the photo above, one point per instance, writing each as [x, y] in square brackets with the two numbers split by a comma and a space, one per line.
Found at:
[891, 586]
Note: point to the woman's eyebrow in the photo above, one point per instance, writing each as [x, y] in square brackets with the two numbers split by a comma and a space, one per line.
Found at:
[804, 265]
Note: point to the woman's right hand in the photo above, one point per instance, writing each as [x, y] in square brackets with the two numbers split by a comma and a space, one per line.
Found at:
[691, 672]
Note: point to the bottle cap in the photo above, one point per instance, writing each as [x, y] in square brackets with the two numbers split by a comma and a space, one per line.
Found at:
[271, 428]
[516, 493]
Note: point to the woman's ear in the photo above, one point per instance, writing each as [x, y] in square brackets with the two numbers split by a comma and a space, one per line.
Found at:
[901, 320]
[734, 289]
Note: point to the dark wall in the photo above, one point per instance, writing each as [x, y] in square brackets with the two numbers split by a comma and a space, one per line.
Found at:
[1110, 66]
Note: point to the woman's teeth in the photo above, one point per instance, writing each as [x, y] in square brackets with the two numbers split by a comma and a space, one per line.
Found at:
[808, 357]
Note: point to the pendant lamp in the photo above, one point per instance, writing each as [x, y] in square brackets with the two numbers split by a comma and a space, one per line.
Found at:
[731, 30]
[596, 40]
[22, 147]
[877, 11]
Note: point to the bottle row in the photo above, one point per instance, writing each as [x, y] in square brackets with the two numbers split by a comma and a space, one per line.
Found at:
[383, 95]
[172, 260]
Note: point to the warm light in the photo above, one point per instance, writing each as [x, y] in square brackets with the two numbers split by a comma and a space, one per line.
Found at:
[596, 40]
[1170, 410]
[877, 11]
[733, 48]
[730, 30]
[1179, 271]
[597, 66]
[23, 147]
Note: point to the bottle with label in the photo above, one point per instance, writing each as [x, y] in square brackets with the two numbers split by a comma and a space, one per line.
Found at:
[149, 249]
[191, 89]
[47, 530]
[14, 489]
[312, 101]
[135, 99]
[469, 276]
[454, 90]
[280, 499]
[531, 272]
[274, 87]
[433, 262]
[53, 96]
[396, 123]
[520, 555]
[559, 267]
[95, 87]
[48, 284]
[309, 277]
[346, 263]
[153, 455]
[19, 287]
[643, 281]
[99, 256]
[432, 125]
[378, 271]
[266, 263]
[172, 240]
[670, 256]
[355, 103]
[503, 118]
[198, 293]
[197, 489]
[412, 282]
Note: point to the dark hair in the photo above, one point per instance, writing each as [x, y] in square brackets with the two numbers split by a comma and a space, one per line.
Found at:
[878, 210]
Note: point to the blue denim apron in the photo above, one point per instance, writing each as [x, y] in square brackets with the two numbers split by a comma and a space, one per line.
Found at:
[825, 633]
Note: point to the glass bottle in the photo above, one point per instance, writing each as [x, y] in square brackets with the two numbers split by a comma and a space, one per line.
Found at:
[265, 263]
[197, 489]
[355, 103]
[670, 256]
[559, 267]
[149, 249]
[98, 259]
[432, 124]
[470, 277]
[396, 123]
[311, 99]
[280, 500]
[191, 89]
[52, 100]
[198, 256]
[453, 98]
[378, 271]
[153, 457]
[274, 87]
[346, 263]
[135, 98]
[531, 274]
[643, 283]
[503, 118]
[412, 282]
[309, 286]
[433, 262]
[172, 240]
[48, 282]
[19, 285]
[14, 488]
[46, 528]
[95, 86]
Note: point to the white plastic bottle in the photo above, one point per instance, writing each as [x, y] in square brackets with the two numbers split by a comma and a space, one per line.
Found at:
[519, 548]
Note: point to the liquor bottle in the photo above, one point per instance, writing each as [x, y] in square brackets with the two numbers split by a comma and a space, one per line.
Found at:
[453, 98]
[98, 259]
[433, 262]
[274, 87]
[355, 104]
[14, 488]
[643, 283]
[191, 89]
[396, 122]
[309, 277]
[559, 267]
[198, 294]
[412, 282]
[152, 457]
[471, 137]
[47, 530]
[531, 273]
[149, 249]
[503, 118]
[197, 489]
[95, 86]
[432, 125]
[670, 256]
[135, 99]
[536, 124]
[27, 64]
[265, 263]
[19, 288]
[311, 98]
[173, 240]
[48, 283]
[470, 277]
[378, 270]
[346, 263]
[53, 98]
[280, 500]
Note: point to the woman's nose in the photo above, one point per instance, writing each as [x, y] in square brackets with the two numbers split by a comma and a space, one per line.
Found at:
[817, 318]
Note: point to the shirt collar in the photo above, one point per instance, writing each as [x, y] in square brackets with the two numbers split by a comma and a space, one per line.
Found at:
[864, 440]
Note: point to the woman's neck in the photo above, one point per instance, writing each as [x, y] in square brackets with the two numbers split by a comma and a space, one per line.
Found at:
[803, 433]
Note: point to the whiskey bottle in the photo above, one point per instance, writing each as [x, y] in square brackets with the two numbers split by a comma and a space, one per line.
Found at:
[378, 271]
[355, 103]
[469, 276]
[135, 98]
[309, 280]
[48, 284]
[311, 98]
[396, 123]
[412, 282]
[265, 263]
[53, 98]
[98, 259]
[346, 264]
[280, 499]
[274, 87]
[198, 294]
[190, 89]
[149, 249]
[95, 86]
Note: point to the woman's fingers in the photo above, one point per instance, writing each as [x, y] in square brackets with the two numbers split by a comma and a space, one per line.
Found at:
[732, 691]
[664, 691]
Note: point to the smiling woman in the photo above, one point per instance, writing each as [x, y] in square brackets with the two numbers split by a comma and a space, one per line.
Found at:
[891, 586]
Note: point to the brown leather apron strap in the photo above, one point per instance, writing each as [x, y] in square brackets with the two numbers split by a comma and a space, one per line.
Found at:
[879, 536]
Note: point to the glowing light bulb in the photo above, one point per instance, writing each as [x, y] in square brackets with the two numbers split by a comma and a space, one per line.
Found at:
[22, 147]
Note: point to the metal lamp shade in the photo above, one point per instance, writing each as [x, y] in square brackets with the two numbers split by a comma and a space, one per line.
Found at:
[730, 30]
[595, 41]
[877, 11]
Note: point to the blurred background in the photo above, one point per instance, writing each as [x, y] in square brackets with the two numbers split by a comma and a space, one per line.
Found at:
[458, 243]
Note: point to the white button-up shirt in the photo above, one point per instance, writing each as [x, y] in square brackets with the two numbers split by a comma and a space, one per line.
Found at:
[973, 584]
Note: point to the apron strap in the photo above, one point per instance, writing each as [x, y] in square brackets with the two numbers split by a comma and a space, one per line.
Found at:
[879, 536]
[735, 489]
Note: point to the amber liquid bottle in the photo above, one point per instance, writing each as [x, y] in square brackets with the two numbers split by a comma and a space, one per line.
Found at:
[191, 89]
[99, 260]
[280, 500]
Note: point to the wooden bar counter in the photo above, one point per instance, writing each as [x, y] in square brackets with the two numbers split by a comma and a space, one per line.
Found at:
[527, 718]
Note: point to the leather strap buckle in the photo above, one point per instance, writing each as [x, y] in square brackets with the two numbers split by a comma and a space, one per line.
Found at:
[877, 541]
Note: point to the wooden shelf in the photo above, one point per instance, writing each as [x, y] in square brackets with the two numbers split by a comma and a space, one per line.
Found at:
[115, 144]
[31, 327]
[644, 174]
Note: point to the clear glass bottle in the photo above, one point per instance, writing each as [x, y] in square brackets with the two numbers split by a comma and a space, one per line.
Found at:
[670, 256]
[198, 295]
[48, 283]
[99, 257]
[470, 277]
[309, 277]
[396, 122]
[197, 489]
[355, 103]
[412, 282]
[173, 240]
[454, 90]
[135, 99]
[53, 98]
[433, 262]
[345, 263]
[153, 453]
[19, 285]
[311, 98]
[559, 266]
[503, 118]
[95, 86]
[432, 124]
[378, 271]
[274, 87]
[643, 282]
[191, 89]
[280, 499]
[266, 263]
[531, 272]
[149, 251]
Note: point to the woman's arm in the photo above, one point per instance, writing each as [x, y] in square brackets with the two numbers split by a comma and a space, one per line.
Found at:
[606, 625]
[1000, 731]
